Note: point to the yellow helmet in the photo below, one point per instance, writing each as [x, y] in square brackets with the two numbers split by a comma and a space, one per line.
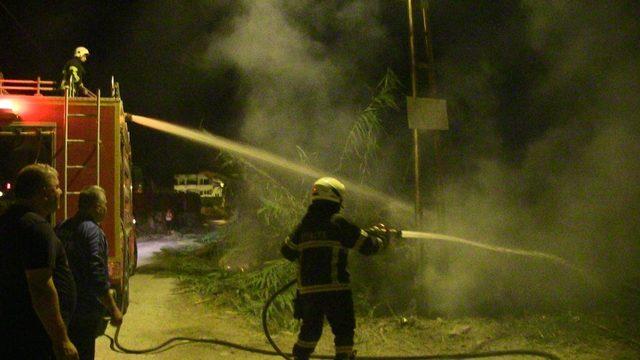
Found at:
[81, 51]
[327, 188]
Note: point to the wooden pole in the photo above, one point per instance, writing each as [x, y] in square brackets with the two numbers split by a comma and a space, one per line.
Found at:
[416, 134]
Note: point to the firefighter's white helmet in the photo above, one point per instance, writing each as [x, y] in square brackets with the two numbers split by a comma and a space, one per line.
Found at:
[327, 188]
[81, 51]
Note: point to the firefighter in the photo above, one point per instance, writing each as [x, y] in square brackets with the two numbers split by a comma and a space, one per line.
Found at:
[320, 243]
[73, 73]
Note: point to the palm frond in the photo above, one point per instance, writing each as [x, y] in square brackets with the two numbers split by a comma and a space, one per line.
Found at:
[362, 142]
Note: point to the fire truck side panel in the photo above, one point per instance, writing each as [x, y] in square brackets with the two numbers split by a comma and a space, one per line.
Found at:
[47, 111]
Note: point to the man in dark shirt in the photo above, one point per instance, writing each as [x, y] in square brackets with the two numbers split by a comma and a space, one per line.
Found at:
[320, 244]
[37, 293]
[73, 73]
[86, 247]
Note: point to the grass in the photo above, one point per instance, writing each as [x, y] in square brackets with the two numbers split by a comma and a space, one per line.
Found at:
[567, 335]
[244, 291]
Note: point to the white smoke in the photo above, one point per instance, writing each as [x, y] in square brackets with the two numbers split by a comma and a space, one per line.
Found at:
[575, 191]
[298, 88]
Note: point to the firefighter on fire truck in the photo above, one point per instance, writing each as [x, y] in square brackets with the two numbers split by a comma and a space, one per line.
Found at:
[320, 244]
[74, 72]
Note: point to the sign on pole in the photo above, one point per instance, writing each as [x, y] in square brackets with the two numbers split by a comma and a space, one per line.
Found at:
[427, 113]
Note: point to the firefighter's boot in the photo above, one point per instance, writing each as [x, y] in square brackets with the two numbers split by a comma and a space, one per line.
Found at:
[300, 353]
[345, 356]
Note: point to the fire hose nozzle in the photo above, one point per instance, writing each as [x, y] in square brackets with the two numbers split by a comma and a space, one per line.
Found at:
[388, 234]
[395, 234]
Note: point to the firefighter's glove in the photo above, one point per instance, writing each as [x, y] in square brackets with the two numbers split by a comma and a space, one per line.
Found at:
[381, 232]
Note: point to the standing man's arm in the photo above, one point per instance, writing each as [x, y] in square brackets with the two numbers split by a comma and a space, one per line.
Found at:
[100, 272]
[110, 303]
[44, 299]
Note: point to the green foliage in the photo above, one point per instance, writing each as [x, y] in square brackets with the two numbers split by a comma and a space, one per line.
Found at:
[362, 142]
[279, 209]
[209, 237]
[245, 291]
[184, 262]
[231, 171]
[256, 287]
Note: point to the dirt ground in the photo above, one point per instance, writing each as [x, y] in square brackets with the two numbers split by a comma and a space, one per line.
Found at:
[160, 309]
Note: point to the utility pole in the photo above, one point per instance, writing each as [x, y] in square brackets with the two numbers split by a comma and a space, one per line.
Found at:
[425, 113]
[424, 110]
[432, 90]
[416, 134]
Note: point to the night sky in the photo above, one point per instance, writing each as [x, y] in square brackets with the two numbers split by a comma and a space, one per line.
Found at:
[157, 52]
[543, 100]
[512, 71]
[163, 54]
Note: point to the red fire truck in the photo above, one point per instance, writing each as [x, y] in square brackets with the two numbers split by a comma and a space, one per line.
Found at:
[87, 141]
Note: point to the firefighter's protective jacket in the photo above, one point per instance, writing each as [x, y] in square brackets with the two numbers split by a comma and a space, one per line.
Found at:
[320, 244]
[73, 75]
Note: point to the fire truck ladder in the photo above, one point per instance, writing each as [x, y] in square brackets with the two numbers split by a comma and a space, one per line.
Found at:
[68, 116]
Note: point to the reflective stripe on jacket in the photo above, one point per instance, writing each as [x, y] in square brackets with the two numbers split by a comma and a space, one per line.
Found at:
[320, 244]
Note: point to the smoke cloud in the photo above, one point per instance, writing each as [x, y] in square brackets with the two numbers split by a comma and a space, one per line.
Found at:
[572, 188]
[542, 151]
[299, 85]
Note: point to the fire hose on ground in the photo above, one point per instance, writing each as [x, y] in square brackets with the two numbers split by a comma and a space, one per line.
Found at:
[116, 346]
[470, 355]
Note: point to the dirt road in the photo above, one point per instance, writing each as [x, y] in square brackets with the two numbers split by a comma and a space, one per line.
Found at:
[159, 311]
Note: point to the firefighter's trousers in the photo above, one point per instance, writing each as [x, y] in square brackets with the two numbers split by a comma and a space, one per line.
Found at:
[337, 306]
